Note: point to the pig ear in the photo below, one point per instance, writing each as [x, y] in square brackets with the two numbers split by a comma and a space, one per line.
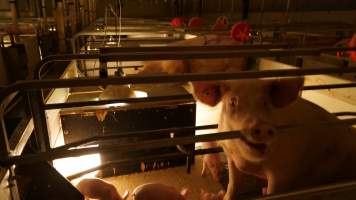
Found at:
[209, 93]
[284, 91]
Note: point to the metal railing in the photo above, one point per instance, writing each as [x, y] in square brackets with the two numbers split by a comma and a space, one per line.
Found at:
[33, 88]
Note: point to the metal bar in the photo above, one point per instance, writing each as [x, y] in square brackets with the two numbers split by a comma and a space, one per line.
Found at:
[60, 25]
[54, 154]
[126, 100]
[146, 158]
[190, 48]
[177, 55]
[39, 118]
[65, 83]
[117, 67]
[329, 86]
[110, 136]
[313, 192]
[345, 114]
[167, 98]
[193, 52]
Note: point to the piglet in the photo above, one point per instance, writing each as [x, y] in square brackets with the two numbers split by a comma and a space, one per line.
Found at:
[302, 154]
[158, 191]
[94, 188]
[212, 163]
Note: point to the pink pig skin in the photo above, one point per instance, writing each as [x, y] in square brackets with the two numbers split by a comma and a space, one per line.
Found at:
[158, 191]
[94, 188]
[296, 157]
[212, 163]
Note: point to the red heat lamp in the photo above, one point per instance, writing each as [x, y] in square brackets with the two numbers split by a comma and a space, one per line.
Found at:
[241, 31]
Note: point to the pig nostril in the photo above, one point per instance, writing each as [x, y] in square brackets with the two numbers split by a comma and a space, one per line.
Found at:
[257, 131]
[270, 132]
[233, 101]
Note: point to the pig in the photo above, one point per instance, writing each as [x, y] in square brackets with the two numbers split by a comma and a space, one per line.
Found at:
[290, 158]
[94, 188]
[211, 162]
[158, 191]
[197, 65]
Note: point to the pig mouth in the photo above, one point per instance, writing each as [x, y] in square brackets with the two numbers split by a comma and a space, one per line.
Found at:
[259, 147]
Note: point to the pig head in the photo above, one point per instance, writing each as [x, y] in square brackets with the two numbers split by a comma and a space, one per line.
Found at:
[289, 158]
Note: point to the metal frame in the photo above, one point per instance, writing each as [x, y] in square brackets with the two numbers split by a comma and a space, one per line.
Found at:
[33, 89]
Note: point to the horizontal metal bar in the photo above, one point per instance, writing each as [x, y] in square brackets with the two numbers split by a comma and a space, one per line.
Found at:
[204, 52]
[126, 100]
[110, 136]
[54, 154]
[140, 159]
[65, 83]
[314, 192]
[117, 67]
[329, 86]
[345, 114]
[159, 143]
[211, 53]
[167, 98]
[106, 50]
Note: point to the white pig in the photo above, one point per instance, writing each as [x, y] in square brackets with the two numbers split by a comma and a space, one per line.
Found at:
[94, 188]
[288, 158]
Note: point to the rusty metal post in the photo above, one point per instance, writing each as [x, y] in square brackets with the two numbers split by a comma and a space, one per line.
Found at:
[60, 26]
[86, 12]
[82, 13]
[72, 16]
[39, 118]
[44, 14]
[13, 10]
[93, 10]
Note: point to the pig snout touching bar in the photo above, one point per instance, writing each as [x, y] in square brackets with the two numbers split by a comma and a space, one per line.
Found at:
[158, 191]
[94, 188]
[302, 154]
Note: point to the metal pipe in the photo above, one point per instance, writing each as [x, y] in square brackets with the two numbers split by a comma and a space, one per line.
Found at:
[126, 100]
[73, 16]
[164, 55]
[313, 193]
[13, 10]
[65, 83]
[167, 98]
[110, 136]
[61, 26]
[194, 52]
[44, 13]
[146, 158]
[166, 142]
[190, 48]
[39, 119]
[53, 154]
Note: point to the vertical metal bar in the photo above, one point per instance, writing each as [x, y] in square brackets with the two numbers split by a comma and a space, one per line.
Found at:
[245, 9]
[44, 12]
[287, 12]
[5, 152]
[39, 119]
[60, 26]
[200, 8]
[13, 10]
[73, 16]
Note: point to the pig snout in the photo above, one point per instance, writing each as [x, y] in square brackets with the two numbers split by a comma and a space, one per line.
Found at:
[260, 132]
